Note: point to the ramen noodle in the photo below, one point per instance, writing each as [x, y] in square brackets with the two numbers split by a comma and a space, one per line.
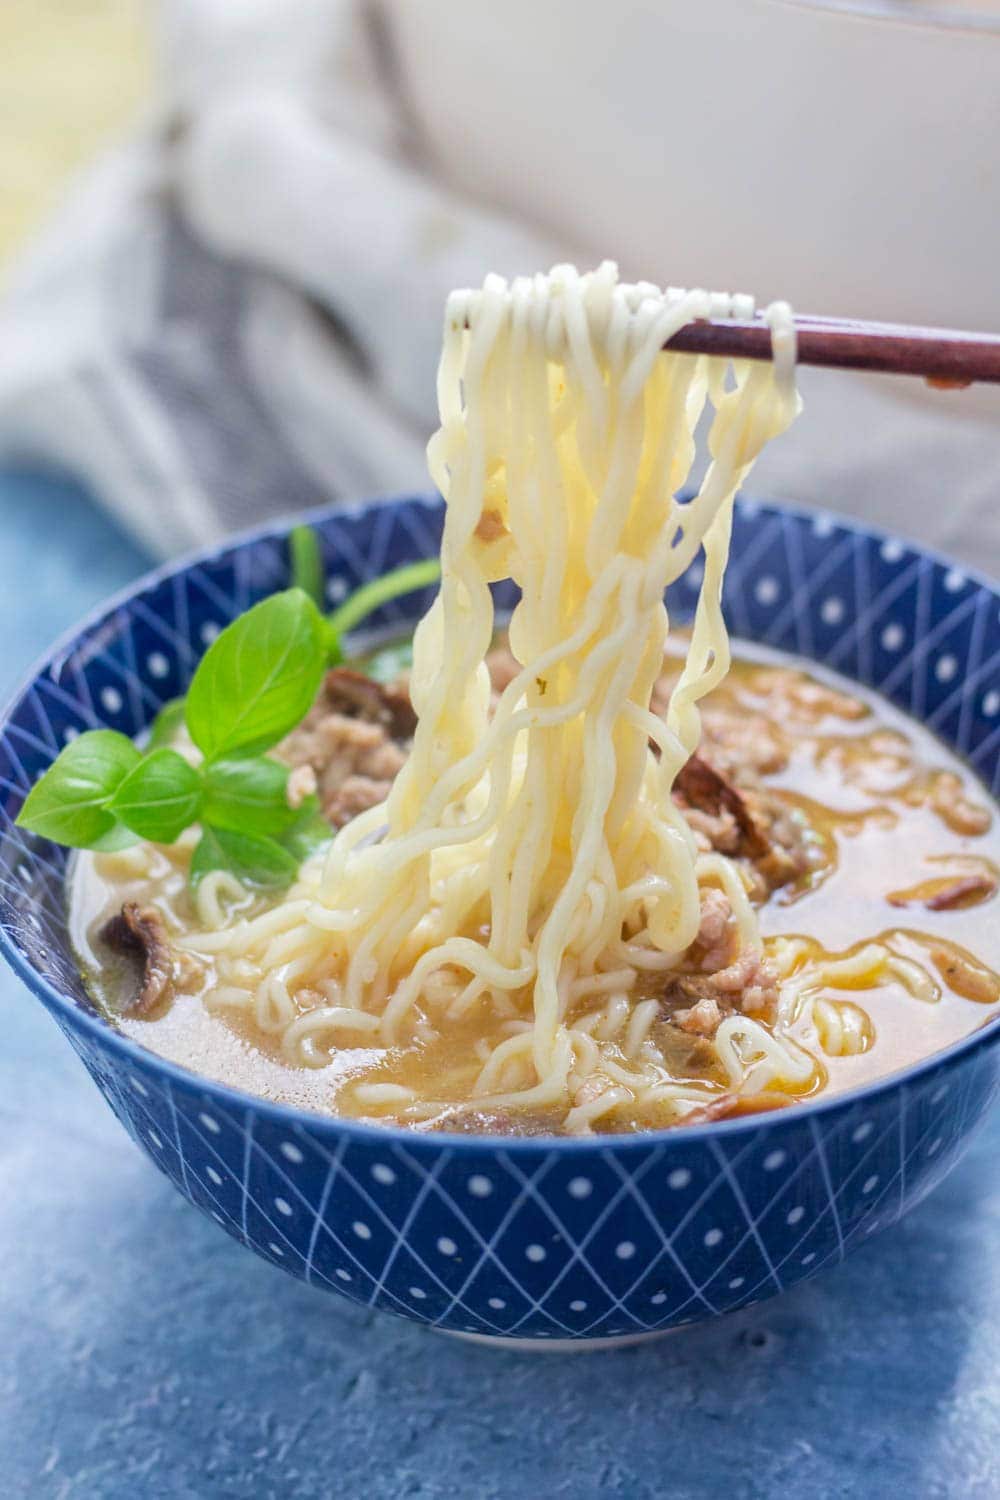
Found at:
[586, 878]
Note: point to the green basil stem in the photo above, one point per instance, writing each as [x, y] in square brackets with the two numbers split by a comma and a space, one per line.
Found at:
[307, 563]
[370, 596]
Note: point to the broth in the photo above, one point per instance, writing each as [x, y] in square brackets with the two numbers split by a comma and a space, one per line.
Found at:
[902, 850]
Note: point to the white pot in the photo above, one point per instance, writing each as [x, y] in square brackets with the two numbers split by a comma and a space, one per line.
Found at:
[844, 156]
[843, 159]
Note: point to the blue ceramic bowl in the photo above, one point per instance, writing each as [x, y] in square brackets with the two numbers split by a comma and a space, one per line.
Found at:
[526, 1239]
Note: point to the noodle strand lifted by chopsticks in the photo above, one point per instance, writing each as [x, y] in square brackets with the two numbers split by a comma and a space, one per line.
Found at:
[538, 846]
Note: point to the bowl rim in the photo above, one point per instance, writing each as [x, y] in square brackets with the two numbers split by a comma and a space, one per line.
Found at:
[296, 1118]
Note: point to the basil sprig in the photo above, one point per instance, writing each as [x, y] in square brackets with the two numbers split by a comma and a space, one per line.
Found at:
[258, 679]
[306, 563]
[255, 683]
[159, 798]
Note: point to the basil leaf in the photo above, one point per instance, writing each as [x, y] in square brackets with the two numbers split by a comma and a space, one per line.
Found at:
[166, 724]
[254, 861]
[118, 837]
[248, 796]
[307, 563]
[259, 678]
[69, 803]
[309, 832]
[160, 798]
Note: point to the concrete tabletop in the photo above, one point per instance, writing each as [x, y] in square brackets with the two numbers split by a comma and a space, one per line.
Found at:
[144, 1355]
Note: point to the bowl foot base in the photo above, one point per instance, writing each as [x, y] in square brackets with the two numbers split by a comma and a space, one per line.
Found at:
[557, 1346]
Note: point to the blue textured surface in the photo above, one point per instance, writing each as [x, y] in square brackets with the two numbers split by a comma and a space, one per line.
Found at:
[152, 1357]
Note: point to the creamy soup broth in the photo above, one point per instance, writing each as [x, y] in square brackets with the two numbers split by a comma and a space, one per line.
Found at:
[903, 849]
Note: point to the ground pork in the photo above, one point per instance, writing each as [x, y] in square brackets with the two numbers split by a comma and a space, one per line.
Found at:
[503, 667]
[744, 821]
[718, 979]
[723, 802]
[723, 799]
[716, 930]
[733, 739]
[749, 984]
[804, 699]
[355, 739]
[697, 1002]
[592, 1088]
[790, 853]
[703, 790]
[700, 1019]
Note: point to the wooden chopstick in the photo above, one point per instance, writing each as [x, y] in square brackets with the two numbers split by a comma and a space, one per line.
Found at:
[943, 356]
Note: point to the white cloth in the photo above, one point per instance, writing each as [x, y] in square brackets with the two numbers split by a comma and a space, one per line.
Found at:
[239, 312]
